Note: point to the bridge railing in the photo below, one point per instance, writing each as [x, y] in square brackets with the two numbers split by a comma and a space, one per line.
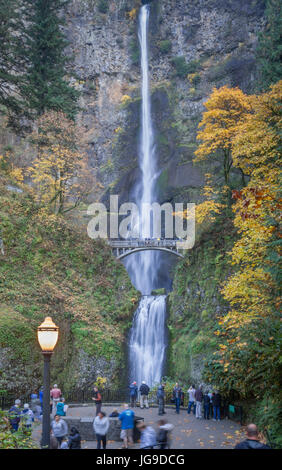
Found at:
[142, 243]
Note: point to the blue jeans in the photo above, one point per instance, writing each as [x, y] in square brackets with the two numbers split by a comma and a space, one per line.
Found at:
[190, 404]
[15, 427]
[216, 412]
[206, 411]
[177, 405]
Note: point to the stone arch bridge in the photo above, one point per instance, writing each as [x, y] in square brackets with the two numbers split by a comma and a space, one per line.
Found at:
[123, 248]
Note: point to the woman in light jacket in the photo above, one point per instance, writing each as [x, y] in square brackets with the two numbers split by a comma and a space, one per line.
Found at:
[101, 426]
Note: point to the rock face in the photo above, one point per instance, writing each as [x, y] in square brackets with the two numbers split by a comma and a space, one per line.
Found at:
[194, 46]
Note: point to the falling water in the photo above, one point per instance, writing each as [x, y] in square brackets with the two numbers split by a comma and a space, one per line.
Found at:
[148, 334]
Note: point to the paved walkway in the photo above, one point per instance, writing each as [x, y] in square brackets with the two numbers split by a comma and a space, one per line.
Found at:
[188, 433]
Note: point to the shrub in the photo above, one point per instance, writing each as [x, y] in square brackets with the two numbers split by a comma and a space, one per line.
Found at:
[165, 46]
[103, 6]
[181, 66]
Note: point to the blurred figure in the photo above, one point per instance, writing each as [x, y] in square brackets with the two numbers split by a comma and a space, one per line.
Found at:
[148, 436]
[164, 434]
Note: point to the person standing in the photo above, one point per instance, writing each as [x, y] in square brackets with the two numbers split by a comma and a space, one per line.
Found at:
[161, 398]
[98, 400]
[133, 391]
[101, 426]
[59, 428]
[144, 392]
[216, 406]
[252, 441]
[35, 406]
[15, 415]
[27, 416]
[55, 395]
[207, 401]
[177, 393]
[164, 434]
[148, 436]
[127, 424]
[191, 399]
[199, 399]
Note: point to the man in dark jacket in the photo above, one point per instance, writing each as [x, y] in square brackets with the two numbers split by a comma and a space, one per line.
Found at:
[216, 402]
[161, 397]
[206, 405]
[177, 393]
[74, 441]
[199, 399]
[252, 441]
[144, 392]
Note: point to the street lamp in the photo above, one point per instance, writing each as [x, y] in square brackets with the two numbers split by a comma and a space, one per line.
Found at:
[47, 334]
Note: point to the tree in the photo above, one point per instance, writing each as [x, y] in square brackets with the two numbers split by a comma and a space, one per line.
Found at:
[250, 334]
[59, 172]
[269, 52]
[225, 109]
[44, 83]
[10, 63]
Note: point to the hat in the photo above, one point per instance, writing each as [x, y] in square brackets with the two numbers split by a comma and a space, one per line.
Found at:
[143, 382]
[134, 383]
[26, 406]
[55, 385]
[17, 402]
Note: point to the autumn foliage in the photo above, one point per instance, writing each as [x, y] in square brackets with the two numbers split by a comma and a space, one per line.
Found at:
[248, 356]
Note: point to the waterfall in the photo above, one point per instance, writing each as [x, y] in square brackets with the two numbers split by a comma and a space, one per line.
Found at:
[148, 334]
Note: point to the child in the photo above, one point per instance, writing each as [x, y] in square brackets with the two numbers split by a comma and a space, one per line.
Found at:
[64, 444]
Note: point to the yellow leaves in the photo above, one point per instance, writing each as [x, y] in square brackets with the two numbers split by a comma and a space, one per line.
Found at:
[225, 109]
[132, 14]
[17, 174]
[125, 99]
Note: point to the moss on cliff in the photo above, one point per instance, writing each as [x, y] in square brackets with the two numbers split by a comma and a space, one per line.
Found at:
[52, 268]
[196, 301]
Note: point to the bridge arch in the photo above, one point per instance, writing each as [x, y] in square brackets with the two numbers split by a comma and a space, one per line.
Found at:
[136, 250]
[123, 248]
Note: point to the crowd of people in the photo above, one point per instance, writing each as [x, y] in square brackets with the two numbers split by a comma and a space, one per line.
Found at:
[201, 402]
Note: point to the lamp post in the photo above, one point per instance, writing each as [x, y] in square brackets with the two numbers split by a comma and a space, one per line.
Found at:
[47, 334]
